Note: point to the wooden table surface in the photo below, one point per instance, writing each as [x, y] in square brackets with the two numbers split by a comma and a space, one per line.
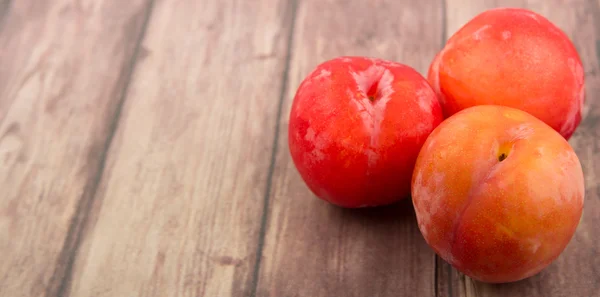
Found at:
[143, 151]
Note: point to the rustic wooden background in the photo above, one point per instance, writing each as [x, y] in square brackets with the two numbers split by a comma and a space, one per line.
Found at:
[143, 150]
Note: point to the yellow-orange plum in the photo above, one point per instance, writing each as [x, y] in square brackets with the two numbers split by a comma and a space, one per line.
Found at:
[498, 193]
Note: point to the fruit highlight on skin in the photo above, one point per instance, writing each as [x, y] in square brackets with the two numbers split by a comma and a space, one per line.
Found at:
[512, 57]
[356, 126]
[497, 193]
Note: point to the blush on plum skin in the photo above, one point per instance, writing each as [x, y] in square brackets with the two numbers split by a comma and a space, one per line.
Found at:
[512, 57]
[356, 126]
[497, 193]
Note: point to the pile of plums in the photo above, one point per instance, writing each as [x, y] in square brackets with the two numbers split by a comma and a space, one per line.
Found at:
[480, 145]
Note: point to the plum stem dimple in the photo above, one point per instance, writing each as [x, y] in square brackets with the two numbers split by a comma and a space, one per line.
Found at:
[504, 150]
[502, 157]
[372, 92]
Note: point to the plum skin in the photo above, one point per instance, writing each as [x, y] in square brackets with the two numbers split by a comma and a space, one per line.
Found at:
[356, 126]
[497, 193]
[512, 57]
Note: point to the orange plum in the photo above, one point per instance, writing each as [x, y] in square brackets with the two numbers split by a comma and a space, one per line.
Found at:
[498, 193]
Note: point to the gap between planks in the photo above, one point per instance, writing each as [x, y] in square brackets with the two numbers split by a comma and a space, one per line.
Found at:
[268, 185]
[61, 277]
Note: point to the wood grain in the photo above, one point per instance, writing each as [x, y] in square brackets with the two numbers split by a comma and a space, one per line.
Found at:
[64, 65]
[312, 248]
[179, 208]
[577, 271]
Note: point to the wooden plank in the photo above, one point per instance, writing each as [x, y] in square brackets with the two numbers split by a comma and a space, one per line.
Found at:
[575, 272]
[180, 205]
[64, 66]
[312, 248]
